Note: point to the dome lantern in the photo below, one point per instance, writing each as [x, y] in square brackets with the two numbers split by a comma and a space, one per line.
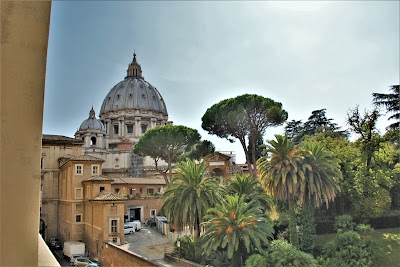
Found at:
[92, 114]
[134, 69]
[91, 123]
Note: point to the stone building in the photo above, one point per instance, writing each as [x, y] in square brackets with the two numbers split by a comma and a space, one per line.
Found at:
[53, 148]
[130, 108]
[93, 183]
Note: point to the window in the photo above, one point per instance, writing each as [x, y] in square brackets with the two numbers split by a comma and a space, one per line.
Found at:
[152, 212]
[78, 169]
[144, 128]
[115, 129]
[95, 169]
[129, 128]
[150, 191]
[78, 218]
[78, 207]
[102, 189]
[93, 141]
[114, 226]
[117, 191]
[79, 193]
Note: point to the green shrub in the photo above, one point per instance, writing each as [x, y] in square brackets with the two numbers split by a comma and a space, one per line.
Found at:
[344, 223]
[349, 249]
[281, 254]
[364, 229]
[189, 249]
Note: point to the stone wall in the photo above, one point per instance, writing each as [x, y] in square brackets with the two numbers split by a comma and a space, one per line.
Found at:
[114, 256]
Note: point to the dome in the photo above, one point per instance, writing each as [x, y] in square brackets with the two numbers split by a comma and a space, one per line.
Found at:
[133, 93]
[92, 123]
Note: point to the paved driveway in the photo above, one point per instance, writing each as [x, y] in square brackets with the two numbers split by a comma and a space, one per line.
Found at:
[148, 242]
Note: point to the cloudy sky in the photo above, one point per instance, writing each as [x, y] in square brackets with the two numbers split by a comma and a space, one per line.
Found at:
[306, 55]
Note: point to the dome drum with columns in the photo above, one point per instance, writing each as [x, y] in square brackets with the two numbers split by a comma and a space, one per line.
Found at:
[130, 108]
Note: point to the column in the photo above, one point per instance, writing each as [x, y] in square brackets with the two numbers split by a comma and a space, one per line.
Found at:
[138, 129]
[153, 123]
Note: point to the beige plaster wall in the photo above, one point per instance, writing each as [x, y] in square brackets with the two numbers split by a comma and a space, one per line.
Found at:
[24, 39]
[115, 256]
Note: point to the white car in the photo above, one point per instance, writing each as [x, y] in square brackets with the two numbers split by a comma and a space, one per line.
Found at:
[128, 229]
[137, 224]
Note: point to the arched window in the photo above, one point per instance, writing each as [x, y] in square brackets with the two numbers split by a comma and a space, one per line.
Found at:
[93, 141]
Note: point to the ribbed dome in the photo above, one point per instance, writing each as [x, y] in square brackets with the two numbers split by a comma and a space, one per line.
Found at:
[92, 123]
[133, 93]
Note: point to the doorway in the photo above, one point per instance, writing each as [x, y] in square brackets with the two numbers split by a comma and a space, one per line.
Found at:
[135, 214]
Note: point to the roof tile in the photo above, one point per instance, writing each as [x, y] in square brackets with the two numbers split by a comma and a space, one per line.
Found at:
[106, 196]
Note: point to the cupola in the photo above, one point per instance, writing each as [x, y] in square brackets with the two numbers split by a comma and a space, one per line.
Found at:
[134, 69]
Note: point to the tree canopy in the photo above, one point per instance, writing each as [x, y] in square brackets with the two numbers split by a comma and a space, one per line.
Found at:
[244, 117]
[392, 104]
[316, 123]
[169, 143]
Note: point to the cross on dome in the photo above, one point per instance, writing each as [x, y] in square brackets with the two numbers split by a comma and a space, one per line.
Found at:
[92, 114]
[134, 69]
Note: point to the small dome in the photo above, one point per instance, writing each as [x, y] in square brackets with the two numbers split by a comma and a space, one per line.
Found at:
[133, 93]
[92, 123]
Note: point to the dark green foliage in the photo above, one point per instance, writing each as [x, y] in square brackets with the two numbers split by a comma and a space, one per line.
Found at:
[350, 249]
[258, 260]
[201, 150]
[169, 143]
[369, 196]
[307, 231]
[282, 254]
[250, 187]
[365, 126]
[344, 223]
[293, 129]
[316, 123]
[237, 227]
[217, 258]
[243, 117]
[391, 102]
[189, 195]
[280, 171]
[190, 249]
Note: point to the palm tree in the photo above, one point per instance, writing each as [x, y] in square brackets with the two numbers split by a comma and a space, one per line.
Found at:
[236, 226]
[392, 104]
[281, 176]
[189, 195]
[322, 172]
[250, 186]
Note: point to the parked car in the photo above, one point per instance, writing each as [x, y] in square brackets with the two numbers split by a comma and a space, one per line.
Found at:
[128, 229]
[94, 263]
[54, 243]
[84, 261]
[136, 223]
[73, 258]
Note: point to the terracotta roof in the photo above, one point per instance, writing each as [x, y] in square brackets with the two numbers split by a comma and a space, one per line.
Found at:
[60, 140]
[106, 196]
[216, 156]
[67, 158]
[99, 178]
[132, 180]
